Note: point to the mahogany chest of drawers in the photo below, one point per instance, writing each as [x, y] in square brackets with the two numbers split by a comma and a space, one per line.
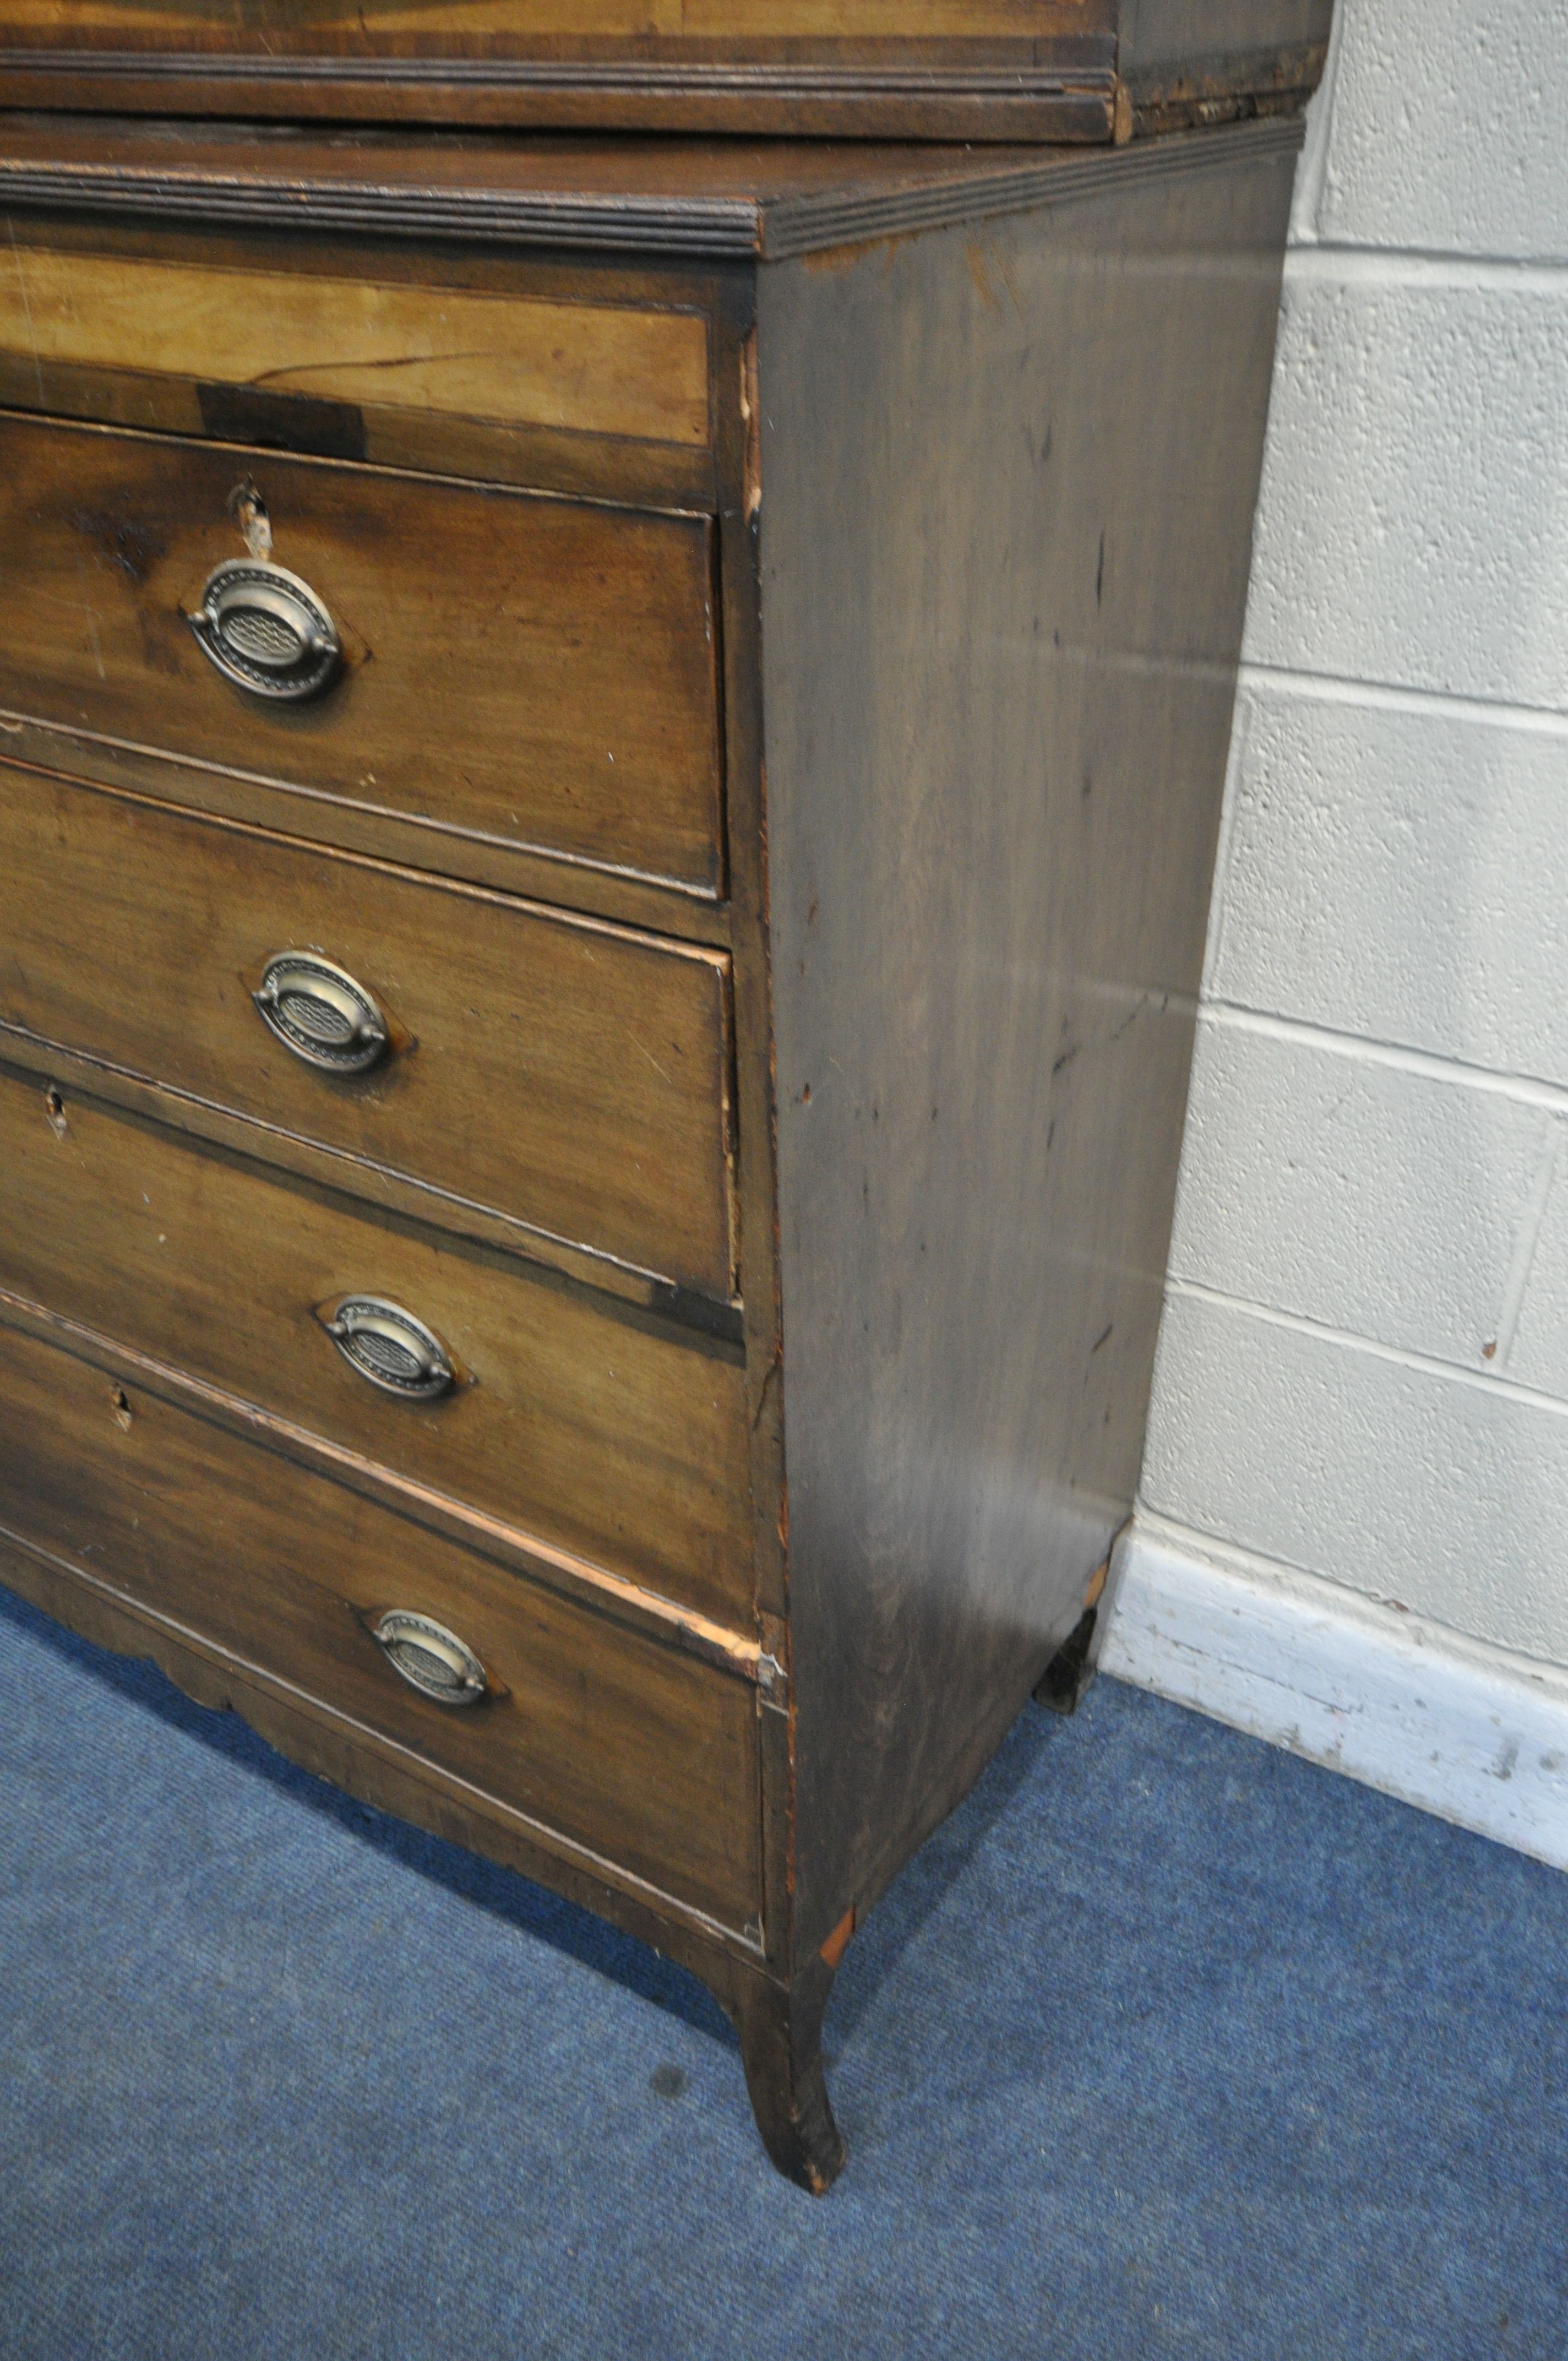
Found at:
[609, 761]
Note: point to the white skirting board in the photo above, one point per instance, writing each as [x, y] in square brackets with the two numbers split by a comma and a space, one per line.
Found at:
[1474, 1733]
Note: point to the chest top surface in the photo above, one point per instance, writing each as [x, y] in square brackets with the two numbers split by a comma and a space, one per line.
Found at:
[762, 200]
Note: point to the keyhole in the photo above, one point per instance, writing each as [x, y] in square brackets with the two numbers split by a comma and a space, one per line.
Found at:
[120, 1401]
[54, 1111]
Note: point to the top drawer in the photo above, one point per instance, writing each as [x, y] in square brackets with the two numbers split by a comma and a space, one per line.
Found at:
[535, 673]
[183, 341]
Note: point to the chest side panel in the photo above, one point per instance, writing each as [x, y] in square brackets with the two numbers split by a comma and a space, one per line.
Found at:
[1008, 479]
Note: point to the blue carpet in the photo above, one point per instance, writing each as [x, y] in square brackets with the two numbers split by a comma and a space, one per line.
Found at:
[1168, 2044]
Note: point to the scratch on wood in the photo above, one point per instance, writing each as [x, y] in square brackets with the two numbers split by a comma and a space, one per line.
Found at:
[838, 1942]
[750, 413]
[834, 259]
[291, 369]
[27, 305]
[974, 255]
[983, 258]
[768, 1389]
[648, 1053]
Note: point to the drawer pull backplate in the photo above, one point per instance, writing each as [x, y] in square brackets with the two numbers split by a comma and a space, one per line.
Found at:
[390, 1348]
[321, 1013]
[266, 630]
[429, 1658]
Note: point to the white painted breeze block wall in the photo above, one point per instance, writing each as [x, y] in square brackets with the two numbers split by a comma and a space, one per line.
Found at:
[1357, 1466]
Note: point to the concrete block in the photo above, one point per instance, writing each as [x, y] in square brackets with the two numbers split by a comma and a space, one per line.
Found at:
[1445, 1494]
[1445, 129]
[1399, 873]
[1354, 1193]
[1537, 1351]
[1396, 873]
[1414, 508]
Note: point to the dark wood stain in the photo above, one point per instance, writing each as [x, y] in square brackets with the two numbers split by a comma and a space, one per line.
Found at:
[973, 1230]
[614, 1439]
[567, 1073]
[567, 650]
[1053, 69]
[619, 1748]
[282, 421]
[783, 1134]
[676, 199]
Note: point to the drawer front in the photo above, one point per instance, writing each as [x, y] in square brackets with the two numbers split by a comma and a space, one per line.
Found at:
[567, 1074]
[580, 1423]
[535, 674]
[642, 1755]
[375, 344]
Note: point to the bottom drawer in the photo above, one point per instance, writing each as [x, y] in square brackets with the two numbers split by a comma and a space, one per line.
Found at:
[644, 1757]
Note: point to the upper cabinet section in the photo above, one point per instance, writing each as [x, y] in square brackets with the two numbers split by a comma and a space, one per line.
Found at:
[1086, 70]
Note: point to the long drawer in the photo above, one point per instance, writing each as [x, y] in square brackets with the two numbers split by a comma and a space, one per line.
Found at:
[582, 1423]
[537, 673]
[336, 344]
[640, 1754]
[570, 1075]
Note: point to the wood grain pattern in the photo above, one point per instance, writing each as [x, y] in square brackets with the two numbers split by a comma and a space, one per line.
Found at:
[634, 1753]
[571, 1075]
[983, 496]
[1040, 69]
[670, 198]
[1009, 98]
[1171, 52]
[629, 469]
[603, 1434]
[390, 1777]
[534, 672]
[999, 663]
[593, 368]
[565, 22]
[617, 468]
[324, 819]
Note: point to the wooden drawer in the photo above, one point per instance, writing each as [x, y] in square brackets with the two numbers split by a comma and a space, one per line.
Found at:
[638, 1753]
[571, 1075]
[527, 673]
[581, 1423]
[325, 350]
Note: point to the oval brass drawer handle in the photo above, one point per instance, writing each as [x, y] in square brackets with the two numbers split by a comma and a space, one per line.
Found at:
[429, 1658]
[390, 1348]
[266, 630]
[320, 1013]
